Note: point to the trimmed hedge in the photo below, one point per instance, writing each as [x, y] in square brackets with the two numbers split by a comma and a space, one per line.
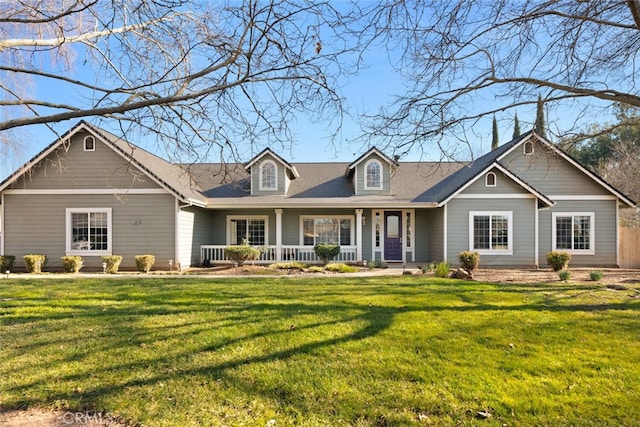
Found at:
[144, 262]
[72, 264]
[113, 263]
[34, 263]
[240, 254]
[7, 262]
[469, 260]
[326, 251]
[558, 260]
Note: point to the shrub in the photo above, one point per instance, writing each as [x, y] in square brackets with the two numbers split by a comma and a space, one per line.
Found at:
[34, 263]
[442, 269]
[241, 253]
[326, 251]
[315, 269]
[7, 262]
[596, 275]
[72, 264]
[558, 260]
[341, 268]
[112, 262]
[144, 262]
[469, 260]
[564, 275]
[294, 265]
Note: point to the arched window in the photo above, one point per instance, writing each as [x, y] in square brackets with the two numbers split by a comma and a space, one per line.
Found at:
[528, 147]
[373, 175]
[89, 143]
[490, 179]
[268, 176]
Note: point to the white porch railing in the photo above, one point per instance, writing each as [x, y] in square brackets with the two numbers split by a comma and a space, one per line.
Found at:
[214, 254]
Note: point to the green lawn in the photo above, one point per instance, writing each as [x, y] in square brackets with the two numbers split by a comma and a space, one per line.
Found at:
[322, 351]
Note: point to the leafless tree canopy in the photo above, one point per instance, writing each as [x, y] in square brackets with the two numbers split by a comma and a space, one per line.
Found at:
[203, 76]
[468, 59]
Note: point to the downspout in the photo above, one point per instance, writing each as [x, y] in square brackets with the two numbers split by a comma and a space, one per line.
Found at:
[177, 256]
[444, 234]
[617, 232]
[536, 231]
[2, 225]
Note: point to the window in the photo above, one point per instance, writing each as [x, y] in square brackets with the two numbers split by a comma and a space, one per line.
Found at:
[408, 231]
[491, 232]
[373, 175]
[490, 179]
[250, 230]
[268, 176]
[88, 231]
[89, 143]
[574, 232]
[335, 230]
[528, 148]
[377, 229]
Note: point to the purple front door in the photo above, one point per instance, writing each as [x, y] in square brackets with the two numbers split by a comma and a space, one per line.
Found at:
[393, 236]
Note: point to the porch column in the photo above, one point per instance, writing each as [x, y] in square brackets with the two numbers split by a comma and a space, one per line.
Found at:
[278, 235]
[358, 234]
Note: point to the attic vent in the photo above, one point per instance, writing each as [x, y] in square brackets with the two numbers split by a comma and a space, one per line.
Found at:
[89, 143]
[528, 147]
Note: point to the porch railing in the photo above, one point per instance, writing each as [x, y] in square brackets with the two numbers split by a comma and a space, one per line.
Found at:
[214, 254]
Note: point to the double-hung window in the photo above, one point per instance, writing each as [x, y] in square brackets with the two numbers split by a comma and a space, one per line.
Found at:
[334, 230]
[88, 231]
[250, 230]
[491, 233]
[573, 232]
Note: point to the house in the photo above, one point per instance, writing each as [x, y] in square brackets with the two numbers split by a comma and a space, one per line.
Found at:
[91, 193]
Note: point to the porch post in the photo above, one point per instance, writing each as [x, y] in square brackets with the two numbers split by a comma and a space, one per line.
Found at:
[278, 235]
[358, 234]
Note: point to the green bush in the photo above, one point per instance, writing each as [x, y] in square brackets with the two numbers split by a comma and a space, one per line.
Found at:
[112, 262]
[144, 262]
[442, 269]
[34, 263]
[564, 275]
[596, 275]
[315, 269]
[294, 265]
[241, 253]
[7, 262]
[326, 251]
[341, 268]
[72, 264]
[469, 260]
[558, 260]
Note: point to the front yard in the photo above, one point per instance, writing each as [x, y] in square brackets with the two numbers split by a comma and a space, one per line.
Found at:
[320, 351]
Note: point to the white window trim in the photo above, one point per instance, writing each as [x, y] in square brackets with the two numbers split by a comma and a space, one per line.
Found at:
[486, 179]
[85, 143]
[366, 181]
[524, 148]
[509, 215]
[592, 232]
[68, 232]
[314, 217]
[275, 181]
[248, 217]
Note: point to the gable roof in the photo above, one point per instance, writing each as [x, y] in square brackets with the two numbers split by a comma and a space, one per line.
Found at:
[291, 170]
[372, 150]
[169, 176]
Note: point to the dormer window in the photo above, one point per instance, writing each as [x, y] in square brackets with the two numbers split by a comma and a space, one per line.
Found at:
[268, 176]
[490, 179]
[89, 143]
[373, 175]
[528, 148]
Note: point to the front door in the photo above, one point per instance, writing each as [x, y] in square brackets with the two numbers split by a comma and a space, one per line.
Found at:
[393, 236]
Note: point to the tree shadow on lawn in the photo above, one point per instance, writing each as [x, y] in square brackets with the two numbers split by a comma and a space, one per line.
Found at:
[239, 315]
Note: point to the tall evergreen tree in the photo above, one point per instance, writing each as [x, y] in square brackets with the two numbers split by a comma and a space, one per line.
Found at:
[494, 141]
[516, 127]
[540, 125]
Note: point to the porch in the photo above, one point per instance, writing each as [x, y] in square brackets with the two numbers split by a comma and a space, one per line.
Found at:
[214, 254]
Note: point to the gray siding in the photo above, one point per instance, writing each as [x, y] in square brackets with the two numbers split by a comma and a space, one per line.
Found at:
[549, 173]
[504, 185]
[360, 176]
[36, 224]
[70, 167]
[605, 231]
[523, 230]
[196, 229]
[429, 235]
